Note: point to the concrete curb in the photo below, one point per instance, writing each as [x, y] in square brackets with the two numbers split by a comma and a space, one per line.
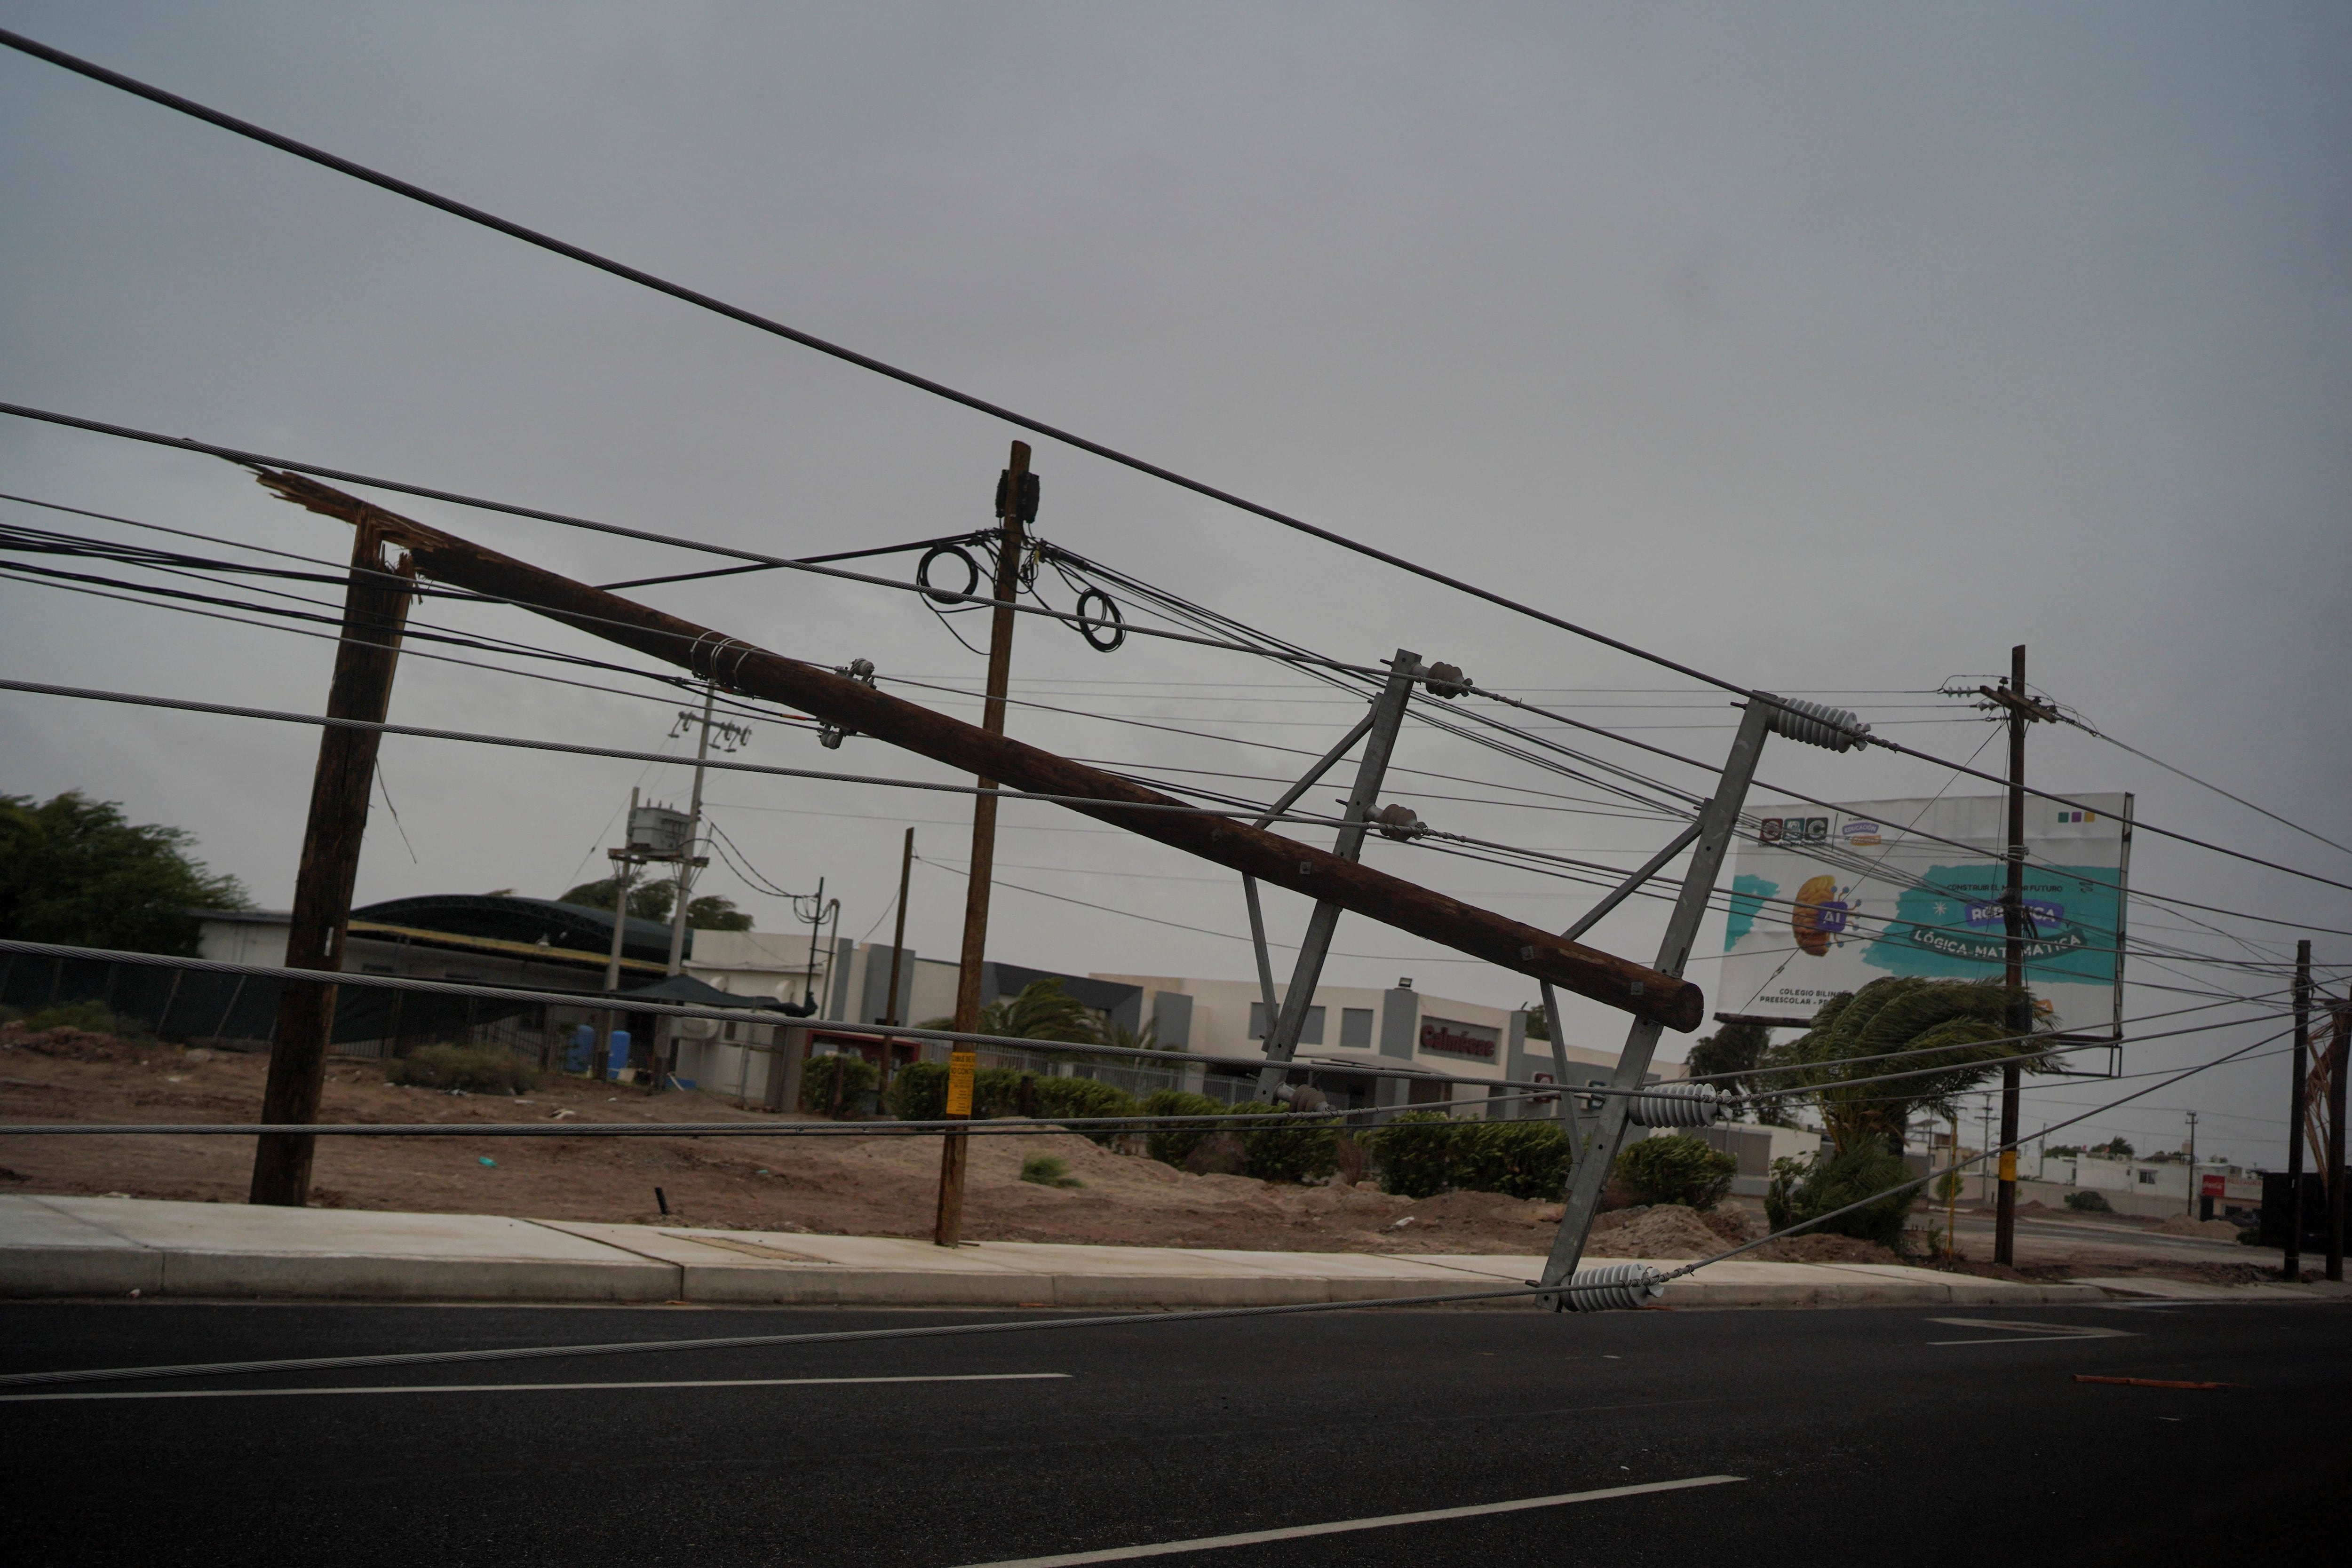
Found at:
[52, 1247]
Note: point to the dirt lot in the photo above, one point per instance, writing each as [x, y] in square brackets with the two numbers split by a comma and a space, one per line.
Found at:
[879, 1185]
[857, 1185]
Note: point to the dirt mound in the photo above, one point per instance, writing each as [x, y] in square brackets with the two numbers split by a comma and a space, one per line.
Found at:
[1470, 1211]
[1667, 1230]
[2203, 1229]
[68, 1043]
[1823, 1249]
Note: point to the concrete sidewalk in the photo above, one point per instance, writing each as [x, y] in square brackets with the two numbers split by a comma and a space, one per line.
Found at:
[113, 1247]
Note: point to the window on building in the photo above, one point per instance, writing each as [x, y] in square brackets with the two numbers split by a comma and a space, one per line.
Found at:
[2147, 1178]
[1356, 1027]
[1309, 1033]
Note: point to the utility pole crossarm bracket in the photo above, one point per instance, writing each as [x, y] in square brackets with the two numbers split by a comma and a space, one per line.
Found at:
[2035, 710]
[742, 667]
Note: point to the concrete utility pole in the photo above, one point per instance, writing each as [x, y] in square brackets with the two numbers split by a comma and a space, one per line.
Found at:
[623, 861]
[2193, 1194]
[662, 1060]
[1984, 1138]
[897, 952]
[376, 609]
[1016, 504]
[2291, 1266]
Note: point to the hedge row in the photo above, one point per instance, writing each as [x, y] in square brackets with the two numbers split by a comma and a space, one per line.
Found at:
[1418, 1154]
[918, 1092]
[1423, 1153]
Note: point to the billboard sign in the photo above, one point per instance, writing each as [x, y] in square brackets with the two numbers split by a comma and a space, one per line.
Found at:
[1828, 899]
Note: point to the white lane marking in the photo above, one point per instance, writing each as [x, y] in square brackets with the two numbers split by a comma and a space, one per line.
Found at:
[523, 1387]
[1342, 1526]
[2012, 1331]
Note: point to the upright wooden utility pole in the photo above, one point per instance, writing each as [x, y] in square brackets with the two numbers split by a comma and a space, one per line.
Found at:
[2337, 1050]
[376, 609]
[2013, 967]
[1016, 504]
[2299, 1074]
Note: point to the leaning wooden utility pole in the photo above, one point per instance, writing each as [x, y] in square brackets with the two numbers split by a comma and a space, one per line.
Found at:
[1016, 504]
[854, 705]
[375, 608]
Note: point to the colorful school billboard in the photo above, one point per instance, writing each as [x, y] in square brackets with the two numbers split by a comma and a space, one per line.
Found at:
[1826, 899]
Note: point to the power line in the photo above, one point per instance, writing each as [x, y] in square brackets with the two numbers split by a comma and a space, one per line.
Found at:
[1298, 658]
[766, 324]
[134, 699]
[2087, 728]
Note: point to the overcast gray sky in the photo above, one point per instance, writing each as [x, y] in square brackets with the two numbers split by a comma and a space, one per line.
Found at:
[1826, 347]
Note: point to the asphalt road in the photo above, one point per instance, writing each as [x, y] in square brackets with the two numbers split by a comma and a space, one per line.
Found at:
[1857, 1436]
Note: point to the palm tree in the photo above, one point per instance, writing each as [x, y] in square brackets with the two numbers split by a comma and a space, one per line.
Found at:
[1959, 1029]
[1042, 1011]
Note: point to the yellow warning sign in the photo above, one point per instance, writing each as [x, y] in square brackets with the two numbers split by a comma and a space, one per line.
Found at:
[959, 1069]
[2008, 1164]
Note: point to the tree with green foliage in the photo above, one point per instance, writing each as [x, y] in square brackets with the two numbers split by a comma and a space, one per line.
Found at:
[1733, 1050]
[655, 900]
[1954, 1034]
[1810, 1186]
[1043, 1010]
[76, 870]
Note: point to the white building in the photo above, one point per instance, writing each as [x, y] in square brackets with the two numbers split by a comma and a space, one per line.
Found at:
[1349, 1028]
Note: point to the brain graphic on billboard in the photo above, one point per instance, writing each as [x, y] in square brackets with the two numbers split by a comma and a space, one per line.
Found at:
[1828, 899]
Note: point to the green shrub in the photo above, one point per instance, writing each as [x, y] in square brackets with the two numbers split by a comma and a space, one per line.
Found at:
[996, 1091]
[1282, 1146]
[919, 1092]
[1081, 1097]
[2088, 1203]
[1415, 1154]
[477, 1069]
[1518, 1159]
[1048, 1170]
[1677, 1169]
[817, 1074]
[1174, 1146]
[1809, 1185]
